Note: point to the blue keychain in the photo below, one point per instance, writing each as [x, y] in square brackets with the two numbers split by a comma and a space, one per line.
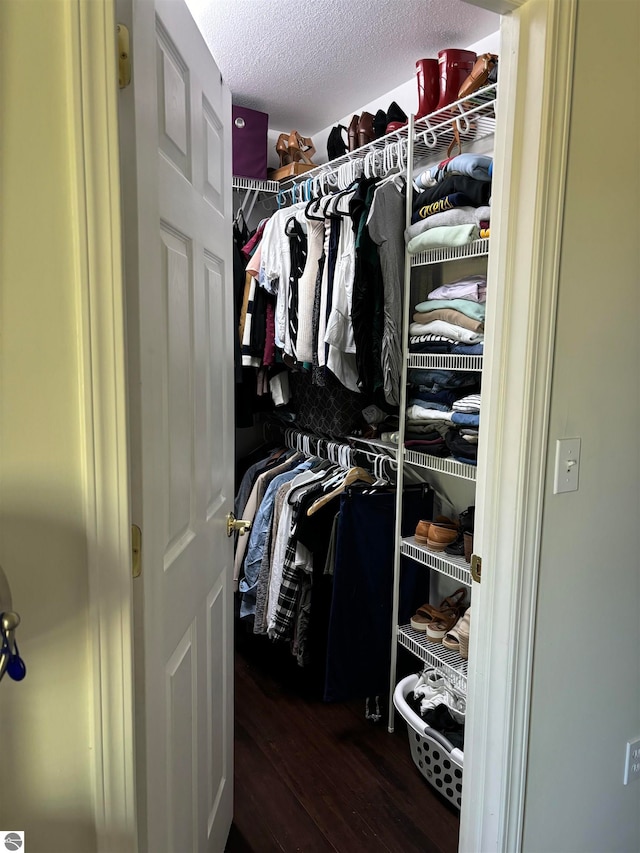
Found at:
[16, 668]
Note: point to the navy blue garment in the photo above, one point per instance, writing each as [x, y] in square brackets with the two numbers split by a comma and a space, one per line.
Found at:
[360, 630]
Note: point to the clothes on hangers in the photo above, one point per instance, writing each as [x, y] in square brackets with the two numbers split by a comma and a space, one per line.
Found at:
[386, 228]
[367, 311]
[302, 593]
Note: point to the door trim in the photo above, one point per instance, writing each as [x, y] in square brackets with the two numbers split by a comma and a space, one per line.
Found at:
[534, 100]
[102, 371]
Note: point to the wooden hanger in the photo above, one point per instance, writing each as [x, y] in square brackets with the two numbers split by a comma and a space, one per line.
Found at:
[352, 475]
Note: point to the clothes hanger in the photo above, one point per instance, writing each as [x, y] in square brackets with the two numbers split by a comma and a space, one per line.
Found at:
[321, 479]
[310, 209]
[351, 476]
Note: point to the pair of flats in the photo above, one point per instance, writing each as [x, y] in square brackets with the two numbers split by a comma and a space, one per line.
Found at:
[437, 534]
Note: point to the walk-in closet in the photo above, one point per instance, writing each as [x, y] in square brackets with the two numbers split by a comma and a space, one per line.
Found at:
[360, 288]
[460, 551]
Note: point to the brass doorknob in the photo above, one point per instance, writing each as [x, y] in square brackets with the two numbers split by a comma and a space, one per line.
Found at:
[239, 524]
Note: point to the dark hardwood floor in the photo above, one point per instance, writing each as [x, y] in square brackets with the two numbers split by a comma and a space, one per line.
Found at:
[311, 776]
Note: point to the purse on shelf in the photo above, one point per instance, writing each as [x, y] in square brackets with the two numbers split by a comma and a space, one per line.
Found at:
[484, 72]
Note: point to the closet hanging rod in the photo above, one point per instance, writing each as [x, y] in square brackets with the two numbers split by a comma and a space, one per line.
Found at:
[474, 117]
[382, 465]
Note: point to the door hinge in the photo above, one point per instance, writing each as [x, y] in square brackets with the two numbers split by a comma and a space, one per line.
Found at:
[136, 551]
[124, 57]
[476, 567]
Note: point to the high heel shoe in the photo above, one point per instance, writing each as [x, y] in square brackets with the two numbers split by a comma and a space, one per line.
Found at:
[301, 148]
[282, 149]
[352, 133]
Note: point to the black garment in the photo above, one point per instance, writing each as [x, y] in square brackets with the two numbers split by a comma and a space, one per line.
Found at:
[478, 192]
[440, 719]
[314, 532]
[367, 310]
[244, 389]
[258, 335]
[317, 372]
[334, 239]
[336, 146]
[360, 629]
[298, 251]
[459, 447]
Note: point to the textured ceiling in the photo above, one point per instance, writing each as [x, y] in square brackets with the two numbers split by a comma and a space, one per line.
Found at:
[309, 63]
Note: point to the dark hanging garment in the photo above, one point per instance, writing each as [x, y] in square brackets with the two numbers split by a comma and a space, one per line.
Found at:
[360, 630]
[298, 251]
[367, 312]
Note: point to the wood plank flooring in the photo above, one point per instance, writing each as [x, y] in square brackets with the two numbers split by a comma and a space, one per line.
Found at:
[311, 776]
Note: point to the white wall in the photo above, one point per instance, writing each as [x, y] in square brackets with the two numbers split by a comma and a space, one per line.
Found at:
[405, 95]
[46, 779]
[586, 684]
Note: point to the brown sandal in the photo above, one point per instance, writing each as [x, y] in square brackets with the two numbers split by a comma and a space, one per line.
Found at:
[437, 629]
[454, 602]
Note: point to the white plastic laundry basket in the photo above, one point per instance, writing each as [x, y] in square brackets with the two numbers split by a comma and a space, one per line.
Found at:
[435, 757]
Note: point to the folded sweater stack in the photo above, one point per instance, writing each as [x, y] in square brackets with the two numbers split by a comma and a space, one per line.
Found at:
[451, 319]
[453, 207]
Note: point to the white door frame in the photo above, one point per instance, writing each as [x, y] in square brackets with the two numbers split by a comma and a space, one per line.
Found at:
[536, 66]
[533, 129]
[92, 31]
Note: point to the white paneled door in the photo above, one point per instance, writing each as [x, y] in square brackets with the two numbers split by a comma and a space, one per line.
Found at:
[176, 180]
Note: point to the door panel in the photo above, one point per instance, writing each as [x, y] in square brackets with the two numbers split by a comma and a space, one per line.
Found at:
[179, 266]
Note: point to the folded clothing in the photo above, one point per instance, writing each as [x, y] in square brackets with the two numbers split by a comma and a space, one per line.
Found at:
[471, 288]
[465, 215]
[446, 236]
[468, 403]
[436, 446]
[440, 380]
[433, 344]
[416, 401]
[476, 310]
[448, 330]
[448, 202]
[477, 166]
[445, 398]
[425, 429]
[460, 448]
[419, 413]
[438, 345]
[450, 315]
[478, 192]
[468, 349]
[466, 418]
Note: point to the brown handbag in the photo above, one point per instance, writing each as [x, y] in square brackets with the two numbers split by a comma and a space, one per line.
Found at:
[479, 75]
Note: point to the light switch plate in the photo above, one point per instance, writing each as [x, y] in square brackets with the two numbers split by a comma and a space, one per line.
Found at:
[632, 761]
[567, 465]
